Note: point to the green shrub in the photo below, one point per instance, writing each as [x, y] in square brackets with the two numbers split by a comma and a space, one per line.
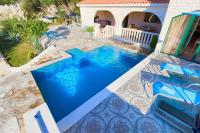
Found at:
[59, 20]
[45, 3]
[36, 44]
[61, 16]
[77, 11]
[31, 7]
[8, 28]
[90, 29]
[154, 42]
[24, 29]
[4, 2]
[31, 54]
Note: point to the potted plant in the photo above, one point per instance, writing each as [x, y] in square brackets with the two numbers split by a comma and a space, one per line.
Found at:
[90, 30]
[153, 42]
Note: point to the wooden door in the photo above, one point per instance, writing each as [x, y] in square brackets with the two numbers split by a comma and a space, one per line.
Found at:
[175, 33]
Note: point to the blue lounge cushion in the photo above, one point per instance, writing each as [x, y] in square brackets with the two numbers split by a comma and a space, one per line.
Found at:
[176, 92]
[181, 115]
[180, 70]
[53, 35]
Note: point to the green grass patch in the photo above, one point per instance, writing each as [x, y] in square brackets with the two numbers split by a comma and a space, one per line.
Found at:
[17, 53]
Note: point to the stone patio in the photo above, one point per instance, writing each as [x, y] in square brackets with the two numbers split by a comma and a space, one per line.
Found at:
[18, 94]
[128, 110]
[18, 90]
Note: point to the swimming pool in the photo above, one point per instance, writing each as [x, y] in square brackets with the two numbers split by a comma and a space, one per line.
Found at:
[65, 85]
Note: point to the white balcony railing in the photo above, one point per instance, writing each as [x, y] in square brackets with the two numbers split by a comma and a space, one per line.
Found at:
[136, 37]
[97, 30]
[108, 31]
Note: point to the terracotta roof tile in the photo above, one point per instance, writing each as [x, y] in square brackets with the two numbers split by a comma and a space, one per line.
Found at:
[122, 1]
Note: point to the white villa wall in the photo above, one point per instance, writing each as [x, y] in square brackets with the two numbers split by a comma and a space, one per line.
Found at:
[120, 12]
[175, 8]
[137, 18]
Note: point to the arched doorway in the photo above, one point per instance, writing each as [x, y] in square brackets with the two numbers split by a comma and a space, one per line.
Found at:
[104, 18]
[144, 21]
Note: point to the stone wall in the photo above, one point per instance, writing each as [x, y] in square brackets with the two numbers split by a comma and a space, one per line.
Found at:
[175, 8]
[11, 11]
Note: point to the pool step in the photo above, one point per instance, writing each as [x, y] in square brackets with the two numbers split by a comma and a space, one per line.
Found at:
[81, 63]
[76, 53]
[80, 57]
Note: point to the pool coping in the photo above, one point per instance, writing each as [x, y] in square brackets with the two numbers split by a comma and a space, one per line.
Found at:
[31, 124]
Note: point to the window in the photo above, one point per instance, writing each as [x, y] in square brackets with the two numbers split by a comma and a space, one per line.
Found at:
[151, 18]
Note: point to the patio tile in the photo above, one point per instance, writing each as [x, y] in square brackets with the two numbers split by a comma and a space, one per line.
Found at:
[126, 111]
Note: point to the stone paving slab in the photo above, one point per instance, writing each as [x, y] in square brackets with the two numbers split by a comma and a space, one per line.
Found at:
[17, 95]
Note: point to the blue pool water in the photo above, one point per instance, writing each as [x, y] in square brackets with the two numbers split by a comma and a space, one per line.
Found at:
[65, 85]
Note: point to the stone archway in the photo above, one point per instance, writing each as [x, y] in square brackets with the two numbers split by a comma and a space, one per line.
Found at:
[104, 17]
[145, 21]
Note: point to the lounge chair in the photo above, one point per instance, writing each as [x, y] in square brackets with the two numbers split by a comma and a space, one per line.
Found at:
[180, 115]
[183, 94]
[53, 35]
[184, 71]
